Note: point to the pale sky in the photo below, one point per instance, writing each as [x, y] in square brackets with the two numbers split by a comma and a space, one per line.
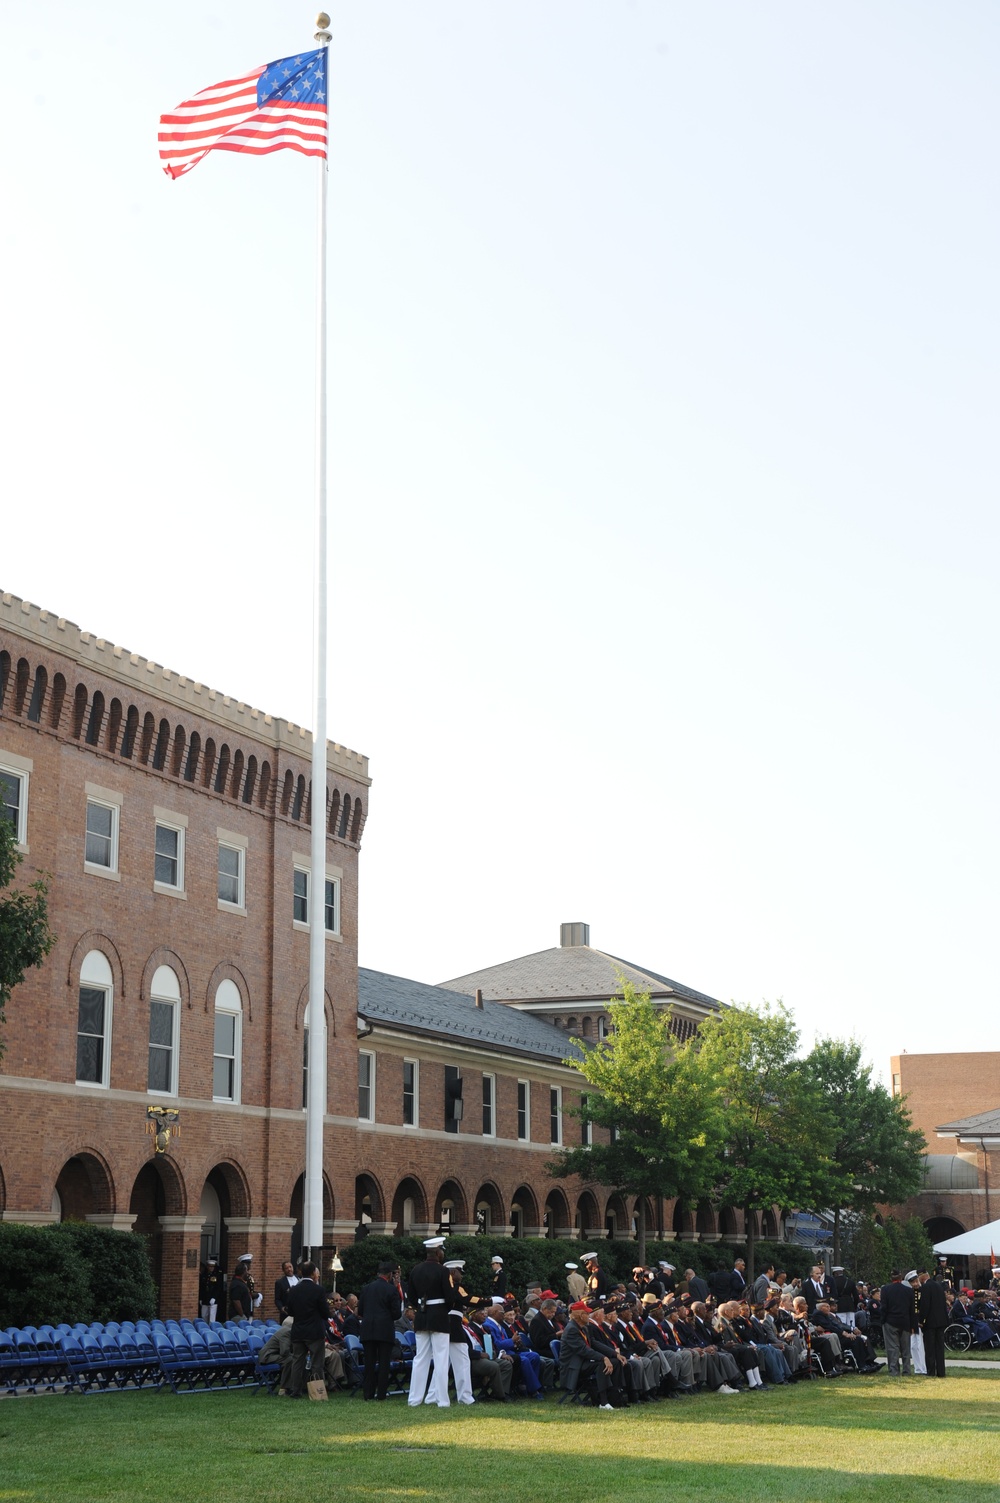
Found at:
[662, 460]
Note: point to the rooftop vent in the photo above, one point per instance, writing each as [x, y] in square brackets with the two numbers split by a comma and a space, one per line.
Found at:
[573, 934]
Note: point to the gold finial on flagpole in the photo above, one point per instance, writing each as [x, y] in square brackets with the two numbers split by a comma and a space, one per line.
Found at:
[322, 34]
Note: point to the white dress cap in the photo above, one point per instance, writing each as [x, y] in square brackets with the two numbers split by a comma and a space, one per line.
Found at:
[434, 1242]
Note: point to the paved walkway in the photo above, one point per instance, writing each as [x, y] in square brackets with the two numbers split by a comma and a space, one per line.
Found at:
[987, 1366]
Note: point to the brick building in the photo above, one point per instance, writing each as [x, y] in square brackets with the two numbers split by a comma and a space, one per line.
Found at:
[954, 1099]
[174, 824]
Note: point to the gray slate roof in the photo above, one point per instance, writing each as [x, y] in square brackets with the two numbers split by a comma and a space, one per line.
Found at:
[573, 972]
[981, 1124]
[435, 1010]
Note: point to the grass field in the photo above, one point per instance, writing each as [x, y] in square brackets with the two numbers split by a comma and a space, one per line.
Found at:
[855, 1439]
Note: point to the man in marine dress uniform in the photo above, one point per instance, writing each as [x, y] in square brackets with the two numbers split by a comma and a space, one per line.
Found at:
[212, 1290]
[598, 1283]
[429, 1291]
[459, 1347]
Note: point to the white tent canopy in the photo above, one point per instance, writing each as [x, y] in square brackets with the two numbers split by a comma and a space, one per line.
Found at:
[977, 1243]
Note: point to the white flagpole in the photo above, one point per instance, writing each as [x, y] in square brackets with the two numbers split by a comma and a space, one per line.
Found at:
[312, 1200]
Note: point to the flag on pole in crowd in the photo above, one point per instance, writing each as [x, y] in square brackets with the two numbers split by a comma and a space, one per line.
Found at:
[281, 105]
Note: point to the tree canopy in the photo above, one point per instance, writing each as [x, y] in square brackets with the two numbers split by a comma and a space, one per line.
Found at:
[778, 1130]
[25, 936]
[875, 1154]
[651, 1095]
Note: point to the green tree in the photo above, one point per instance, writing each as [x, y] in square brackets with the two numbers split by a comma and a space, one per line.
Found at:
[651, 1095]
[25, 937]
[778, 1130]
[876, 1156]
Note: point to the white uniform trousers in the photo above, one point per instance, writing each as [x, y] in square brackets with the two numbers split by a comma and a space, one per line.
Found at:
[458, 1355]
[430, 1344]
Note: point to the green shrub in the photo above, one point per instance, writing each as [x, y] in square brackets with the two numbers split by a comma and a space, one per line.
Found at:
[72, 1272]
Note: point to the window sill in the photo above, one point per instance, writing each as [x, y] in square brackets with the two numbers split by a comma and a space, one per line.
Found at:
[93, 1085]
[225, 1101]
[307, 928]
[163, 1095]
[236, 908]
[101, 871]
[166, 891]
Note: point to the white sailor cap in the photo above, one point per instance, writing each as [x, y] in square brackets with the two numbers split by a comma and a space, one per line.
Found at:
[909, 1277]
[497, 1260]
[434, 1242]
[246, 1258]
[587, 1256]
[669, 1267]
[571, 1265]
[456, 1263]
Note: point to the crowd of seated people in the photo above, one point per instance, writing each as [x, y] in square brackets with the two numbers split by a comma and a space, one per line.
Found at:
[641, 1342]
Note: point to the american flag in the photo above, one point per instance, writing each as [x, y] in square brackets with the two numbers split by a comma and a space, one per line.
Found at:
[282, 104]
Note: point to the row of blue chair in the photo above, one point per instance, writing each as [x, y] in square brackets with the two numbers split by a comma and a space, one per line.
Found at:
[96, 1358]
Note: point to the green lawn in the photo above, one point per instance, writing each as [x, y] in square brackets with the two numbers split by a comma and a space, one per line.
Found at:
[855, 1439]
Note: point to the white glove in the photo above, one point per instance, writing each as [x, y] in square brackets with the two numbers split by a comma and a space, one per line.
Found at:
[212, 1304]
[258, 1302]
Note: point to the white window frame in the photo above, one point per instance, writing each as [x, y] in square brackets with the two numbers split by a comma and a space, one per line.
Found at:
[334, 874]
[21, 769]
[491, 1131]
[301, 871]
[104, 798]
[100, 978]
[524, 1137]
[238, 844]
[166, 992]
[369, 1055]
[229, 1003]
[166, 819]
[416, 1093]
[555, 1101]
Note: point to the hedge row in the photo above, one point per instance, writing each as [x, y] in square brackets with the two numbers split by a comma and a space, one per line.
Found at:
[543, 1259]
[71, 1272]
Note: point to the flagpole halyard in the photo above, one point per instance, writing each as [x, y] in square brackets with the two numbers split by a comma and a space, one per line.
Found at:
[312, 1199]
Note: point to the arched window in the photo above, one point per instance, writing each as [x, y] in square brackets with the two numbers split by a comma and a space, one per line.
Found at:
[162, 742]
[356, 821]
[96, 719]
[345, 816]
[223, 769]
[93, 1025]
[38, 695]
[114, 725]
[131, 731]
[300, 795]
[227, 1052]
[250, 780]
[194, 748]
[164, 1022]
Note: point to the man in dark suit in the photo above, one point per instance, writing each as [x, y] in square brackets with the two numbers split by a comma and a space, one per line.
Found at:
[737, 1280]
[379, 1307]
[583, 1354]
[898, 1321]
[815, 1287]
[282, 1286]
[308, 1307]
[933, 1315]
[697, 1288]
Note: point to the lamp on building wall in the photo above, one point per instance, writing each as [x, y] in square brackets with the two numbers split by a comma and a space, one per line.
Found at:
[162, 1122]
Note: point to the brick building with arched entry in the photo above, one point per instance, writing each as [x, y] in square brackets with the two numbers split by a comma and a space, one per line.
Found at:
[175, 825]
